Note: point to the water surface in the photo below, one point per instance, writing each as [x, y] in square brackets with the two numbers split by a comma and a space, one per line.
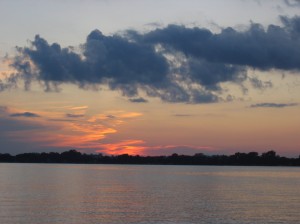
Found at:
[65, 193]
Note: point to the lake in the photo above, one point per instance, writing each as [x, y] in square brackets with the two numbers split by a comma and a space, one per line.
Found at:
[67, 193]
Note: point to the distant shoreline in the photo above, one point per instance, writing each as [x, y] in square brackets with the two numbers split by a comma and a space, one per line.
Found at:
[269, 158]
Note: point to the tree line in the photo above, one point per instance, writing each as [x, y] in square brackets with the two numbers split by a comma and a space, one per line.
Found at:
[269, 158]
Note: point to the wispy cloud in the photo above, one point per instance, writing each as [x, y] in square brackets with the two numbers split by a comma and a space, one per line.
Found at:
[183, 115]
[274, 105]
[138, 100]
[52, 129]
[129, 115]
[74, 115]
[89, 131]
[79, 108]
[116, 116]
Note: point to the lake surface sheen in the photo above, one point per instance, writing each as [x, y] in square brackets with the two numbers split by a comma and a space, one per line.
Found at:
[65, 193]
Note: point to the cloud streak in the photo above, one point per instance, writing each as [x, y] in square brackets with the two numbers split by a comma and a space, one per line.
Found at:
[74, 115]
[25, 114]
[138, 100]
[274, 105]
[175, 63]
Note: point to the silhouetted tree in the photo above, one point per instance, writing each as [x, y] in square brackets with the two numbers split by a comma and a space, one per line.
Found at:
[269, 158]
[6, 158]
[73, 156]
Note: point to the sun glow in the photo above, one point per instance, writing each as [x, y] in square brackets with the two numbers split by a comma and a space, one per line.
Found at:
[132, 147]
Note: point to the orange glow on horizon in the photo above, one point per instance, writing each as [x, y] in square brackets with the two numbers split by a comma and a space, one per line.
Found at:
[138, 147]
[57, 129]
[121, 132]
[131, 147]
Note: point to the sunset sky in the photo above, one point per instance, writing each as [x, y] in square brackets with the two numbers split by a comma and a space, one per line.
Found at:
[150, 77]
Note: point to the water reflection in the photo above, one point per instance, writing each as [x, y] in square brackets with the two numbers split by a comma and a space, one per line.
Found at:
[49, 193]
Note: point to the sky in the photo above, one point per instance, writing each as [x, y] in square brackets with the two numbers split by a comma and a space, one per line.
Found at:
[150, 77]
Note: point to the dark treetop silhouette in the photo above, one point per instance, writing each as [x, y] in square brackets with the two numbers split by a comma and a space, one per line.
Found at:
[269, 158]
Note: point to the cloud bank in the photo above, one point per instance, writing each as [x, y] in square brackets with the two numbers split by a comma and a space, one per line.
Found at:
[175, 63]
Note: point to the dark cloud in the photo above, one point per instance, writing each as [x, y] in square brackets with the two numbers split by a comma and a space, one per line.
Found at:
[106, 60]
[292, 3]
[292, 25]
[185, 93]
[175, 63]
[274, 105]
[272, 48]
[259, 84]
[210, 74]
[138, 100]
[123, 62]
[25, 114]
[118, 62]
[74, 115]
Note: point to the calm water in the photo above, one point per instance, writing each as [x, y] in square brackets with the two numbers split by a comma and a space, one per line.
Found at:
[51, 193]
